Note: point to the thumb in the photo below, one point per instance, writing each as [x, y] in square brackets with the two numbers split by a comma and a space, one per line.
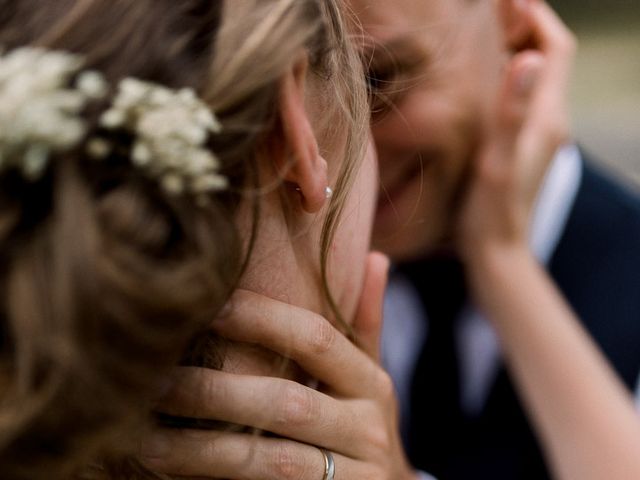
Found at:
[367, 325]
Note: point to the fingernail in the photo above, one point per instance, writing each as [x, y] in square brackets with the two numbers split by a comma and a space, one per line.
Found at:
[155, 447]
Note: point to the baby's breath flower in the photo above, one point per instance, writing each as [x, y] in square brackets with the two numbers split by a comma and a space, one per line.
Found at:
[170, 130]
[98, 148]
[39, 112]
[92, 84]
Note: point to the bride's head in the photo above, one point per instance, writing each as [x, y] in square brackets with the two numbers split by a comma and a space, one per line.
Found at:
[154, 156]
[314, 196]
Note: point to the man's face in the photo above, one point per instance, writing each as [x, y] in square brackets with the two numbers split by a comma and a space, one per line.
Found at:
[435, 68]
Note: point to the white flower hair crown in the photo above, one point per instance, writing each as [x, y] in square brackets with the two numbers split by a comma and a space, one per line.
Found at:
[41, 114]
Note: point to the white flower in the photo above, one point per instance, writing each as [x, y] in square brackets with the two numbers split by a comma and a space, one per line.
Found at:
[207, 183]
[172, 183]
[141, 155]
[39, 113]
[92, 84]
[170, 129]
[35, 161]
[113, 119]
[98, 148]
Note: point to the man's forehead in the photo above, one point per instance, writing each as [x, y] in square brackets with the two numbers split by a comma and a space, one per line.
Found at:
[390, 20]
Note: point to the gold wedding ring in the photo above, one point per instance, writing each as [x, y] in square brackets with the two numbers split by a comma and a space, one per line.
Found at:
[329, 465]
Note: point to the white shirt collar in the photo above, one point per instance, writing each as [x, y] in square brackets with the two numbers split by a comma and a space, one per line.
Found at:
[555, 201]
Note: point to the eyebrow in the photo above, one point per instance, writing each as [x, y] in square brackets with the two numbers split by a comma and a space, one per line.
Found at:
[402, 52]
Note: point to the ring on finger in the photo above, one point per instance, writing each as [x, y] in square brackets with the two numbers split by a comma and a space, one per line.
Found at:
[329, 464]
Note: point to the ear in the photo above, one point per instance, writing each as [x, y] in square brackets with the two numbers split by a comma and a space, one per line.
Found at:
[302, 166]
[514, 15]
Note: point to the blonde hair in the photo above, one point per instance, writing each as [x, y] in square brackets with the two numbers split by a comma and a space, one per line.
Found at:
[104, 279]
[266, 51]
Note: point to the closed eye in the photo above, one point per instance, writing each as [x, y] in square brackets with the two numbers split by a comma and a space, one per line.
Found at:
[391, 71]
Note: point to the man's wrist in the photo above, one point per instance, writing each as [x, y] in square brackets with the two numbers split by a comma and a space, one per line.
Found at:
[495, 265]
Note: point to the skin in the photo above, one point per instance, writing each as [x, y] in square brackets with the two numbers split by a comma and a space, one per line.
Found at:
[285, 258]
[354, 413]
[283, 275]
[440, 63]
[582, 412]
[284, 264]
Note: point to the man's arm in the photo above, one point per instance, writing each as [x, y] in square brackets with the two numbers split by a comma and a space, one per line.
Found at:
[583, 415]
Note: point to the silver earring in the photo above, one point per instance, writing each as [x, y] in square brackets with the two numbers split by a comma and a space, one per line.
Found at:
[328, 192]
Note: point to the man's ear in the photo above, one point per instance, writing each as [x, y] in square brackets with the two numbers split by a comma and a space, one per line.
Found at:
[303, 165]
[514, 15]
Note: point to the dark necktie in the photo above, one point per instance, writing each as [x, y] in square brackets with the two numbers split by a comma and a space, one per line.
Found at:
[436, 418]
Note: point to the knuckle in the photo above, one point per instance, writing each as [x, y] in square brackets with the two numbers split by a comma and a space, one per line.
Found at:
[211, 388]
[193, 397]
[385, 386]
[322, 336]
[378, 438]
[297, 407]
[210, 450]
[286, 464]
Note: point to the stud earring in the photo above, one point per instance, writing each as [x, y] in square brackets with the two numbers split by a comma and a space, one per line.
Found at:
[328, 193]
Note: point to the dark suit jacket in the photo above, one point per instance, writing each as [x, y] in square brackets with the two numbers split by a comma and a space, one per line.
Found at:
[597, 267]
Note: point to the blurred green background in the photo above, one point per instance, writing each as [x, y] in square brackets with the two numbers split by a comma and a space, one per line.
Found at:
[593, 12]
[606, 86]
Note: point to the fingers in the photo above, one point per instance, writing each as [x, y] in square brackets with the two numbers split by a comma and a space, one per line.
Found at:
[514, 102]
[549, 109]
[500, 157]
[532, 113]
[274, 405]
[549, 33]
[308, 339]
[198, 453]
[368, 322]
[522, 79]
